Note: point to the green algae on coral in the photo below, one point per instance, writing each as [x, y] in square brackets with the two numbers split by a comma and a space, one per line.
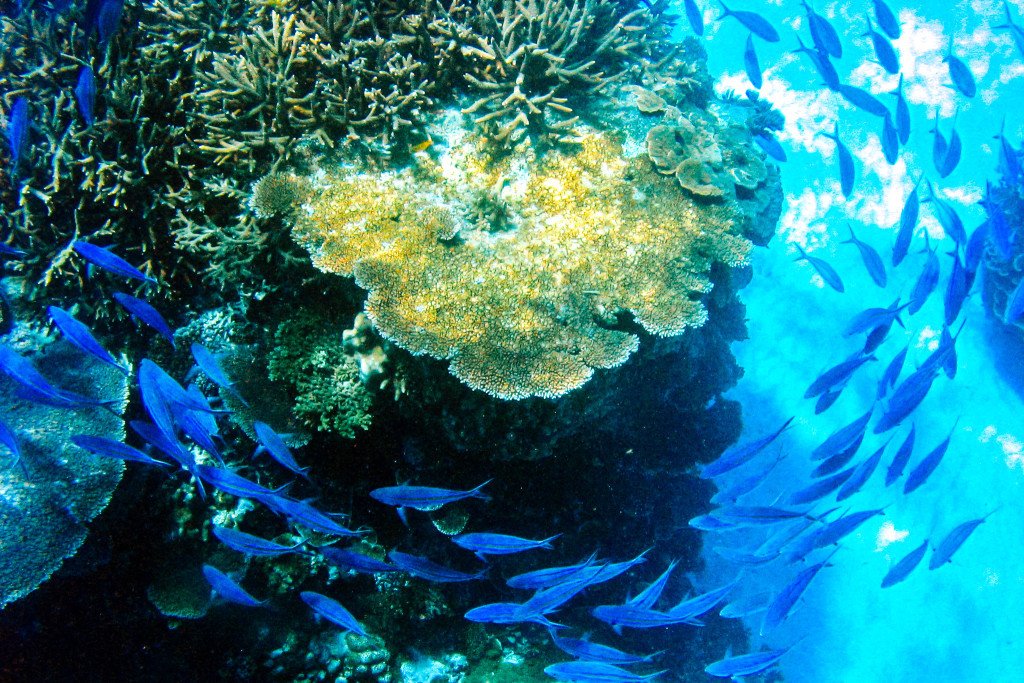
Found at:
[329, 395]
[589, 238]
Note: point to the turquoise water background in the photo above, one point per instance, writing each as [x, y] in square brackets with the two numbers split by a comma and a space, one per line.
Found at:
[960, 622]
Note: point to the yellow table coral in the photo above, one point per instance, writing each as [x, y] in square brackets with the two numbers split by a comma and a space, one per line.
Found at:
[523, 271]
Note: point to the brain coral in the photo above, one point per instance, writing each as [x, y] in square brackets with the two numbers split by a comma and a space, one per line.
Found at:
[526, 272]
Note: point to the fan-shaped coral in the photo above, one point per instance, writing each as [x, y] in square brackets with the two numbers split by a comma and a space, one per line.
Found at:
[531, 304]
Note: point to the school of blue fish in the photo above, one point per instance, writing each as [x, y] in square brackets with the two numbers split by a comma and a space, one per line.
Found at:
[797, 526]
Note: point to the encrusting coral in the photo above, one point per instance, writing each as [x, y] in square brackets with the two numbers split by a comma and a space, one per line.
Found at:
[532, 306]
[329, 396]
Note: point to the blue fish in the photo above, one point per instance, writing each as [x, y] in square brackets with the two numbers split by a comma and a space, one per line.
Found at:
[904, 400]
[746, 484]
[871, 318]
[746, 606]
[357, 562]
[710, 523]
[750, 63]
[753, 22]
[17, 132]
[108, 19]
[431, 571]
[274, 445]
[886, 19]
[154, 397]
[820, 488]
[499, 544]
[507, 613]
[944, 551]
[902, 120]
[836, 531]
[784, 602]
[925, 283]
[974, 252]
[694, 16]
[892, 372]
[939, 144]
[954, 148]
[628, 616]
[861, 474]
[998, 226]
[584, 649]
[1016, 32]
[248, 544]
[109, 261]
[770, 146]
[835, 375]
[908, 223]
[196, 429]
[884, 51]
[756, 514]
[890, 140]
[1014, 311]
[738, 455]
[1009, 163]
[872, 261]
[34, 387]
[595, 672]
[691, 608]
[822, 64]
[305, 514]
[901, 570]
[960, 73]
[752, 559]
[648, 597]
[79, 334]
[332, 611]
[919, 475]
[235, 484]
[863, 100]
[824, 35]
[957, 289]
[847, 170]
[425, 498]
[902, 457]
[841, 457]
[108, 448]
[8, 250]
[822, 267]
[228, 589]
[539, 579]
[7, 438]
[209, 365]
[85, 94]
[828, 399]
[146, 314]
[745, 665]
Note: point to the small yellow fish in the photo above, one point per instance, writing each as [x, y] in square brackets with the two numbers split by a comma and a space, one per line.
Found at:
[421, 146]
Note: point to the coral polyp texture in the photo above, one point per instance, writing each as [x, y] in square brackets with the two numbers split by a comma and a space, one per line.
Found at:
[527, 273]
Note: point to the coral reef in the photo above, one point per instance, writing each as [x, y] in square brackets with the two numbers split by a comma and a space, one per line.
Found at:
[57, 489]
[531, 306]
[329, 394]
[1002, 274]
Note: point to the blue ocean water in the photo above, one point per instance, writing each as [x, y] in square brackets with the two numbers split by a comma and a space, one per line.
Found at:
[960, 622]
[957, 622]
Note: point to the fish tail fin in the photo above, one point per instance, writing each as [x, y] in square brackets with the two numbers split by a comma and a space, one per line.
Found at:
[546, 543]
[477, 493]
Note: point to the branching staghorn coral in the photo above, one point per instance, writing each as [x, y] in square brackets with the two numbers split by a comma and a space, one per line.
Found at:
[534, 60]
[597, 247]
